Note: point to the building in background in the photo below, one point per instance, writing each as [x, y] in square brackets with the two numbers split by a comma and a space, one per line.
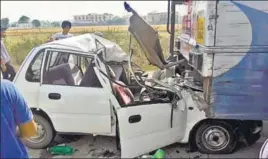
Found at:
[155, 18]
[92, 18]
[16, 25]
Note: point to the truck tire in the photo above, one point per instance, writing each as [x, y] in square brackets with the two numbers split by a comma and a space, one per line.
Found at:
[46, 134]
[215, 137]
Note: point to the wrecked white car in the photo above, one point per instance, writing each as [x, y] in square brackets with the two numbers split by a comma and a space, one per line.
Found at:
[72, 87]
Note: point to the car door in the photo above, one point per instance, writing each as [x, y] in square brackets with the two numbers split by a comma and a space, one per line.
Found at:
[145, 128]
[73, 107]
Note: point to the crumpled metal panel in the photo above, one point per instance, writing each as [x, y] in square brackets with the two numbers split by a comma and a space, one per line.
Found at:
[148, 40]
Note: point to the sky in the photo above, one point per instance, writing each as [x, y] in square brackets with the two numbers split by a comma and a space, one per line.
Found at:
[64, 10]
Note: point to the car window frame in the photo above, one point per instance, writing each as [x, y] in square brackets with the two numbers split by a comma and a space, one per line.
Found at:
[56, 59]
[77, 53]
[75, 58]
[41, 51]
[84, 60]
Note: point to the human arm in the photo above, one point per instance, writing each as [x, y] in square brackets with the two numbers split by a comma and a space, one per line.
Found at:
[52, 38]
[49, 40]
[23, 117]
[3, 65]
[27, 130]
[4, 54]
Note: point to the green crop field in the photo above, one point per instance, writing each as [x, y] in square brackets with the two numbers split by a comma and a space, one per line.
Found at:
[19, 46]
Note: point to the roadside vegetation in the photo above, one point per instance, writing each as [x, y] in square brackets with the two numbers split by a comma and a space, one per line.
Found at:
[20, 45]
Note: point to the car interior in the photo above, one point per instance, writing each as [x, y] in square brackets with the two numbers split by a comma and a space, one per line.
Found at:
[60, 75]
[124, 95]
[63, 72]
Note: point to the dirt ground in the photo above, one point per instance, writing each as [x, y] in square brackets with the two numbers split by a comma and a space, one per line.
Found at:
[105, 147]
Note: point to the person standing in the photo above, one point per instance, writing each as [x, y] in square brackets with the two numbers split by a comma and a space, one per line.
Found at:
[3, 68]
[66, 26]
[15, 115]
[10, 72]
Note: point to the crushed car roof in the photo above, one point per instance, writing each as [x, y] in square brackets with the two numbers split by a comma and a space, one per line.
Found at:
[88, 43]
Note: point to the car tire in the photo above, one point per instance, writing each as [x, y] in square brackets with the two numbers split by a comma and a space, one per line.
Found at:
[215, 137]
[46, 134]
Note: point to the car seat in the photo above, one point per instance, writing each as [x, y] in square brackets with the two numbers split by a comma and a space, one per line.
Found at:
[90, 78]
[61, 74]
[77, 75]
[123, 94]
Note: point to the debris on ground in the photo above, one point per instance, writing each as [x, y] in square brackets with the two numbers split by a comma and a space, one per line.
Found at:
[158, 154]
[101, 153]
[198, 156]
[146, 156]
[108, 153]
[62, 149]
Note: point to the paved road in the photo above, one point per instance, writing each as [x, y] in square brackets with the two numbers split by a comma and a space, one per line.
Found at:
[88, 147]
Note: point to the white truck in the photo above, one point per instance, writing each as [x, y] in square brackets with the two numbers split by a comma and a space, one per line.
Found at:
[210, 93]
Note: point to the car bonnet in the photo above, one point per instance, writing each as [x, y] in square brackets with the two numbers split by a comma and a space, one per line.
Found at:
[148, 40]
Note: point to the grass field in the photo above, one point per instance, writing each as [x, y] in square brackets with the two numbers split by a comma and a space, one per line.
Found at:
[20, 42]
[81, 29]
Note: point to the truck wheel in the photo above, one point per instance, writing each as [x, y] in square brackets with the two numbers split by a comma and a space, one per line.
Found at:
[215, 138]
[45, 134]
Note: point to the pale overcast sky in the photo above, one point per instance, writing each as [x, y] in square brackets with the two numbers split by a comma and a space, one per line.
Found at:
[61, 10]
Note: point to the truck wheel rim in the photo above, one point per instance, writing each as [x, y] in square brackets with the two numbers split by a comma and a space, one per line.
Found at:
[41, 134]
[215, 138]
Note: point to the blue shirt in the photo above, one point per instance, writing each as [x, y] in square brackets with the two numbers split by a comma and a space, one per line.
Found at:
[14, 112]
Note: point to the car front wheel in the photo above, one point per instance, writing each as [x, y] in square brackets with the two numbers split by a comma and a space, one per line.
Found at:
[45, 134]
[215, 138]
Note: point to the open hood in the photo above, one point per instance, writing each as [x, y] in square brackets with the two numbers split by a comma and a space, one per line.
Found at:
[148, 40]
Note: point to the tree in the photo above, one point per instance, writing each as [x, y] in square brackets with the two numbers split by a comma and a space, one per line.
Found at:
[5, 22]
[14, 24]
[36, 23]
[116, 21]
[55, 24]
[24, 19]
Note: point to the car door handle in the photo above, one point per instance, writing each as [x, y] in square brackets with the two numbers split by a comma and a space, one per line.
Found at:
[134, 119]
[54, 96]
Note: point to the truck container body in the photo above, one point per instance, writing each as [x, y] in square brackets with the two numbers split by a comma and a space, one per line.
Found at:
[232, 61]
